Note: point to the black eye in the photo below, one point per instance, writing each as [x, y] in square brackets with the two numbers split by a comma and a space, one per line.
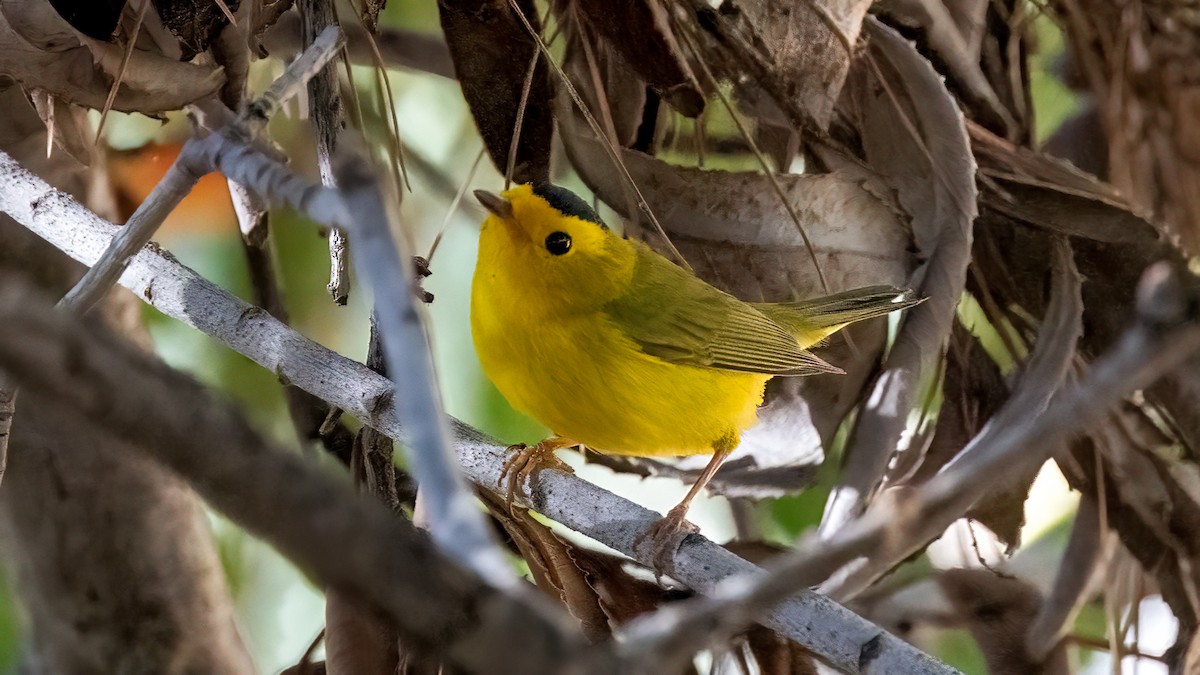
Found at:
[558, 243]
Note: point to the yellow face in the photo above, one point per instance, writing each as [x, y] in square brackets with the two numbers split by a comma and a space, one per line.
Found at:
[546, 247]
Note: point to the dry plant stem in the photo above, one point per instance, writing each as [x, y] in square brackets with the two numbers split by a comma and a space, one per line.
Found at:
[397, 48]
[325, 109]
[1080, 559]
[311, 63]
[606, 143]
[349, 542]
[1163, 338]
[828, 629]
[8, 406]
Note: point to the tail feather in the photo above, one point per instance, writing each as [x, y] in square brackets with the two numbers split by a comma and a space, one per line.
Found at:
[815, 319]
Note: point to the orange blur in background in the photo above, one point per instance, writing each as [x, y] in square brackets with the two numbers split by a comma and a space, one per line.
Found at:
[208, 210]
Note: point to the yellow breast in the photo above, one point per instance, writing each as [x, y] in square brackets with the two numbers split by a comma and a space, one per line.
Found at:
[586, 381]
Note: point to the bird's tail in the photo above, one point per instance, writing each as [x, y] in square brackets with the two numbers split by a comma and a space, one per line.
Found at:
[815, 319]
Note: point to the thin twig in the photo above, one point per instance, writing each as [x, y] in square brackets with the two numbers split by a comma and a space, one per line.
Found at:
[116, 84]
[325, 109]
[455, 522]
[829, 630]
[179, 180]
[323, 49]
[762, 160]
[8, 407]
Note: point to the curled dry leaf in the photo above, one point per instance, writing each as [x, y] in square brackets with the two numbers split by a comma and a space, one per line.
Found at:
[799, 53]
[639, 31]
[492, 52]
[738, 236]
[954, 38]
[913, 135]
[551, 565]
[196, 23]
[69, 72]
[1036, 189]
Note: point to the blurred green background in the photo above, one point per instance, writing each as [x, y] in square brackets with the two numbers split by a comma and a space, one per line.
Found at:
[279, 611]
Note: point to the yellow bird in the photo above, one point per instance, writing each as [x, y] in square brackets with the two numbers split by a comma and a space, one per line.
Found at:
[614, 347]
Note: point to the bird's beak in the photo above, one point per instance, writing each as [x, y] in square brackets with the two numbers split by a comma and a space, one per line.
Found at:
[498, 205]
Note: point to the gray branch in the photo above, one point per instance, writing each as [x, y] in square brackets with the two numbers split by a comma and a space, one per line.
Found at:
[828, 629]
[350, 542]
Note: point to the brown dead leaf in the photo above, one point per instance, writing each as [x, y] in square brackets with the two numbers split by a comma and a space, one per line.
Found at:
[1051, 194]
[492, 52]
[997, 610]
[799, 53]
[195, 23]
[640, 32]
[357, 640]
[952, 30]
[914, 137]
[78, 69]
[551, 565]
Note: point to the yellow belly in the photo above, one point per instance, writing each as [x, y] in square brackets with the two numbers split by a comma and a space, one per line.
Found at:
[586, 381]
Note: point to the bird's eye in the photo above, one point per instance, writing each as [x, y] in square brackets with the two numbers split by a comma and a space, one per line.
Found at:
[558, 243]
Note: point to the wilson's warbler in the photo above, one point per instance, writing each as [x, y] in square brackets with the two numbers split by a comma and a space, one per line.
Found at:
[614, 347]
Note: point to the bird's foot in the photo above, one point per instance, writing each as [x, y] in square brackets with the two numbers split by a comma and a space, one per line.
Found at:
[525, 464]
[665, 537]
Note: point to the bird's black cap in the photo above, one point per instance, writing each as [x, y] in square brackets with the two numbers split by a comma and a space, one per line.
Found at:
[567, 202]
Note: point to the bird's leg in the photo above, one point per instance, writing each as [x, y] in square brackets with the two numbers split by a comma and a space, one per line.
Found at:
[668, 533]
[526, 462]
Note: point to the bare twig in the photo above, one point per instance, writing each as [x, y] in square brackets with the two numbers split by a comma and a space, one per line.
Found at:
[141, 226]
[1167, 332]
[8, 406]
[1080, 559]
[325, 109]
[179, 181]
[352, 544]
[829, 630]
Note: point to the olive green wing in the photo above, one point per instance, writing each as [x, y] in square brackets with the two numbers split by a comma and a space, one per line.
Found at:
[813, 320]
[672, 315]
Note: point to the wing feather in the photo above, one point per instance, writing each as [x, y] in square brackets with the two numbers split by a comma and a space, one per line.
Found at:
[676, 317]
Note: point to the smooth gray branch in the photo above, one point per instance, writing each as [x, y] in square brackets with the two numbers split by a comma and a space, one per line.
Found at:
[455, 521]
[834, 633]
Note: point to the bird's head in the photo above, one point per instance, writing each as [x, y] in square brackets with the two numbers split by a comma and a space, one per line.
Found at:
[545, 239]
